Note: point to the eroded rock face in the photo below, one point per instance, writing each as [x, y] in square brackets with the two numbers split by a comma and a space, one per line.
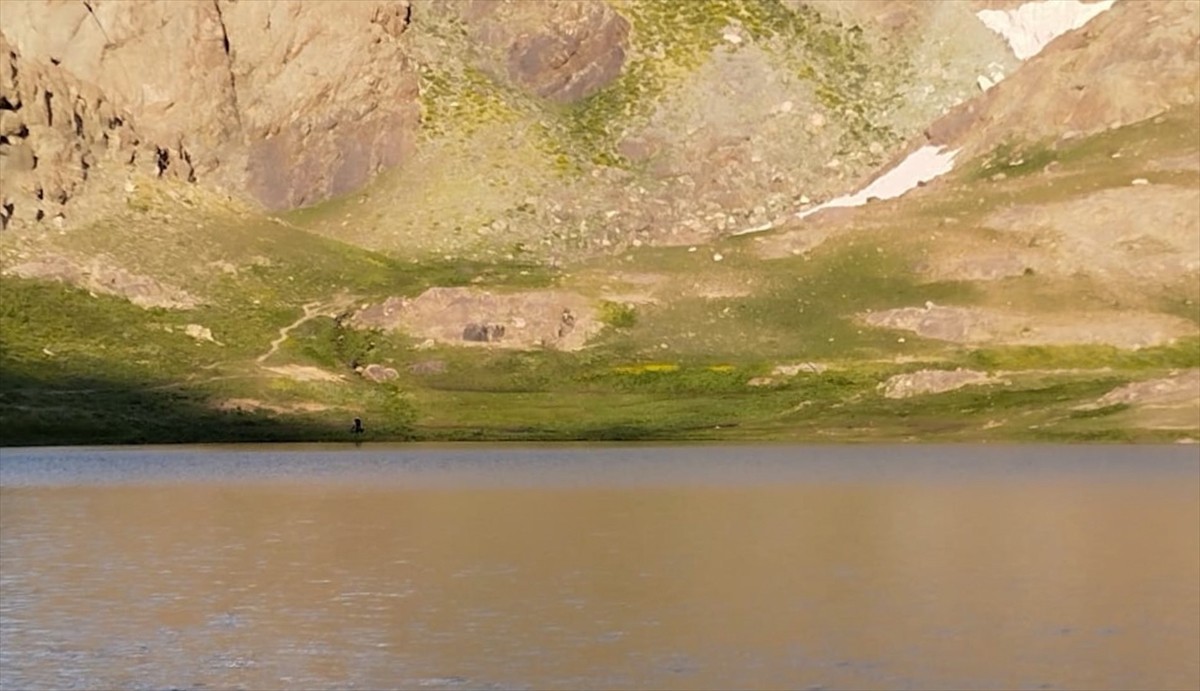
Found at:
[55, 133]
[325, 95]
[289, 102]
[561, 50]
[164, 61]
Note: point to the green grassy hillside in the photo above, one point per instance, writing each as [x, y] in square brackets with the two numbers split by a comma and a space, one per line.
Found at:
[692, 348]
[1061, 271]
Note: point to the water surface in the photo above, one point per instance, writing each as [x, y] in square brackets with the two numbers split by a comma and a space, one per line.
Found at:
[707, 567]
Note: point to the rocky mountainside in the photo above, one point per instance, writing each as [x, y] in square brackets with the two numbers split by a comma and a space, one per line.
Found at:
[647, 121]
[284, 104]
[407, 189]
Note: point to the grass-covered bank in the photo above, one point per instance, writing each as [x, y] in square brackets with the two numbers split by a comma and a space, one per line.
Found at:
[684, 404]
[775, 354]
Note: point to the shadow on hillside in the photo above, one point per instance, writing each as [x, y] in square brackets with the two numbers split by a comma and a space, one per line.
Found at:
[40, 411]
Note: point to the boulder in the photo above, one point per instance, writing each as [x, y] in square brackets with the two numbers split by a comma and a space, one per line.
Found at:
[199, 332]
[378, 373]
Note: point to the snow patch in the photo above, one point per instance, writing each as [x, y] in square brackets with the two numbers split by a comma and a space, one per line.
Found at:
[1030, 27]
[920, 167]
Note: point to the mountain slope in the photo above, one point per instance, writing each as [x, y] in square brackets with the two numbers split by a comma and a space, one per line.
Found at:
[562, 251]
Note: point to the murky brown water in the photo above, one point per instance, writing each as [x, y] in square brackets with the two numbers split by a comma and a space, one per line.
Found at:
[671, 567]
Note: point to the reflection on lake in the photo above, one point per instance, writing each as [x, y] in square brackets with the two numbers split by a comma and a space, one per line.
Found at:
[715, 567]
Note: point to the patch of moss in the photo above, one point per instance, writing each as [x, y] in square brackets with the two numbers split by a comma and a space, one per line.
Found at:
[459, 102]
[618, 315]
[1183, 354]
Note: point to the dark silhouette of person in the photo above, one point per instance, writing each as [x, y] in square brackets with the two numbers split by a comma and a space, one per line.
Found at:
[358, 428]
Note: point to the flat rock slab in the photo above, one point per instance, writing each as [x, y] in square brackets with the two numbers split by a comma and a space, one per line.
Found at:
[101, 275]
[985, 326]
[1179, 389]
[933, 381]
[472, 317]
[1171, 402]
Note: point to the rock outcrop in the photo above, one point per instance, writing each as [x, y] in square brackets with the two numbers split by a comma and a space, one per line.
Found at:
[928, 381]
[56, 132]
[1171, 402]
[560, 50]
[324, 94]
[469, 317]
[1181, 388]
[103, 275]
[283, 101]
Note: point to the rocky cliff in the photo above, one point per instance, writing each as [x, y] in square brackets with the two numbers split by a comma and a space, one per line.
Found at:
[285, 103]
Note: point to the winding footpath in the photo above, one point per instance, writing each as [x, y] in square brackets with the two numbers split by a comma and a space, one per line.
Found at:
[312, 310]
